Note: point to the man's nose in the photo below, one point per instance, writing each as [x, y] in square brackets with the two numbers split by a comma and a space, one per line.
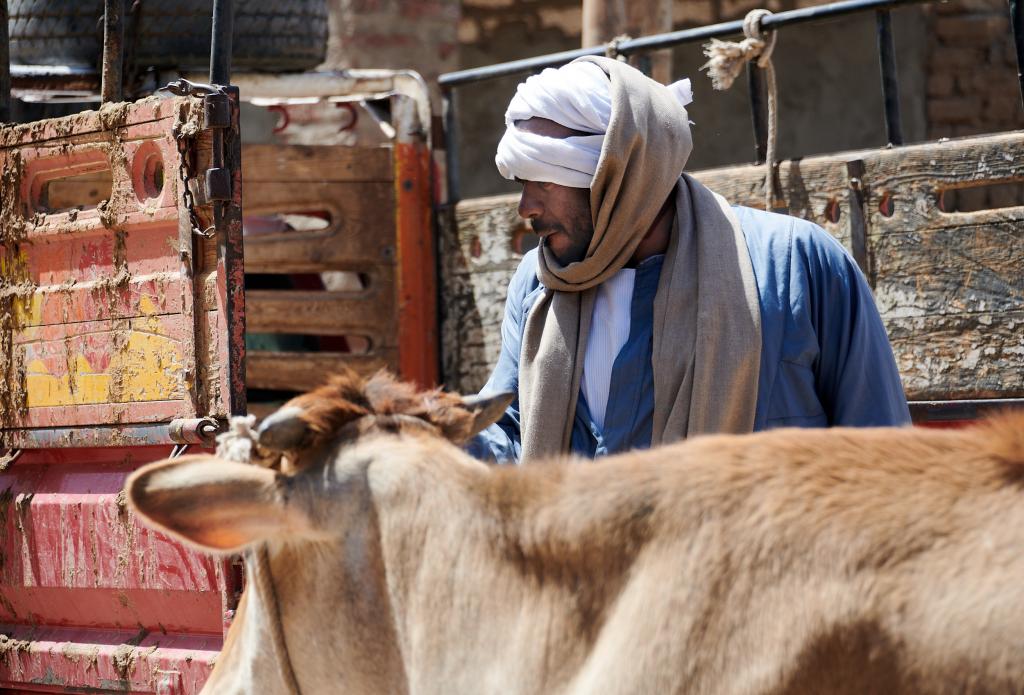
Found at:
[528, 207]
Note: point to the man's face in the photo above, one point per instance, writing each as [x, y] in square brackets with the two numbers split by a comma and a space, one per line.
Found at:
[560, 215]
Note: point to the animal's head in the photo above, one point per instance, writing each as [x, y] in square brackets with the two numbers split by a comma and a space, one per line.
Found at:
[223, 506]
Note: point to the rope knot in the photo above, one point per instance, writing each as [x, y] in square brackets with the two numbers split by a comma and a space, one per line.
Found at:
[725, 62]
[611, 49]
[727, 58]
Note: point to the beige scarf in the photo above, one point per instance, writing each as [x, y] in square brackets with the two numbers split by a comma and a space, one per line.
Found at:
[707, 322]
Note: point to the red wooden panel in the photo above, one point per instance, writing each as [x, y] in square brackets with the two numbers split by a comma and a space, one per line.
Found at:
[99, 297]
[88, 597]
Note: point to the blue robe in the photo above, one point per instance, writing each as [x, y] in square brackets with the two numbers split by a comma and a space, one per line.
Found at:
[825, 356]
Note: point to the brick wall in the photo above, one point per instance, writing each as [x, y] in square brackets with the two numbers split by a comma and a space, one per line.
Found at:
[956, 60]
[828, 77]
[416, 34]
[972, 70]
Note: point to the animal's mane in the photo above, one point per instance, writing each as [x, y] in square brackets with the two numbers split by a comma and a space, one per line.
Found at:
[347, 396]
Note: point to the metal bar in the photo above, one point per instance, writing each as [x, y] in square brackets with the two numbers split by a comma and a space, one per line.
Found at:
[757, 113]
[890, 80]
[112, 84]
[68, 437]
[5, 67]
[220, 43]
[451, 144]
[1017, 22]
[674, 38]
[945, 411]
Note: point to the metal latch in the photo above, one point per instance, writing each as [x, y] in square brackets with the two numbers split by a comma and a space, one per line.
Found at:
[216, 117]
[202, 430]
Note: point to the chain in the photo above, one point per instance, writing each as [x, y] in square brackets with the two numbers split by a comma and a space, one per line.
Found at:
[182, 87]
[185, 174]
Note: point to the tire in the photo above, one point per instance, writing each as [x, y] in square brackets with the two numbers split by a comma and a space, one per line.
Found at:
[271, 35]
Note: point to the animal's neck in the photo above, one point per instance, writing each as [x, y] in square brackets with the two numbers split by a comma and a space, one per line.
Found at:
[252, 661]
[527, 535]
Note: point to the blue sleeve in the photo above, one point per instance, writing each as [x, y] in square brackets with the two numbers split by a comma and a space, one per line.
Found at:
[501, 441]
[856, 376]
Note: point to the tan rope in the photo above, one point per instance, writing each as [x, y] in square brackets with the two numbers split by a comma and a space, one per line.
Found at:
[726, 60]
[265, 581]
[611, 49]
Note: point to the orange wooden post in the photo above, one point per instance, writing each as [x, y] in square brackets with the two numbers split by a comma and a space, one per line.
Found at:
[417, 267]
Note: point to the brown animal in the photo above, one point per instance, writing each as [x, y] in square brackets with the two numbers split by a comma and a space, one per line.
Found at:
[794, 561]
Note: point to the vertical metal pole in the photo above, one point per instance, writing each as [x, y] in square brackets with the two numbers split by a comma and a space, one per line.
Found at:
[757, 112]
[220, 46]
[5, 66]
[112, 86]
[451, 143]
[890, 81]
[227, 214]
[1017, 22]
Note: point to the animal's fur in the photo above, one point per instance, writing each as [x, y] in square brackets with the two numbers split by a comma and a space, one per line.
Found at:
[795, 561]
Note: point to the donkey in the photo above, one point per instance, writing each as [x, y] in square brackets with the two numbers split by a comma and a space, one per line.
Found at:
[792, 561]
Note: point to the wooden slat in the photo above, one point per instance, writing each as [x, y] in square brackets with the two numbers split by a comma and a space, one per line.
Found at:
[293, 163]
[322, 313]
[951, 270]
[363, 203]
[361, 232]
[302, 371]
[808, 186]
[912, 176]
[314, 253]
[960, 356]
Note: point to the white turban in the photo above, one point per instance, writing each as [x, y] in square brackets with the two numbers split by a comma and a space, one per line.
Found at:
[577, 96]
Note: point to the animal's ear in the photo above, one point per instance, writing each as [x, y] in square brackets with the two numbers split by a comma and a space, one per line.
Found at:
[486, 409]
[214, 504]
[284, 430]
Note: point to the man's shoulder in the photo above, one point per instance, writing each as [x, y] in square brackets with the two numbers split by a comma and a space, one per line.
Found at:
[524, 279]
[773, 230]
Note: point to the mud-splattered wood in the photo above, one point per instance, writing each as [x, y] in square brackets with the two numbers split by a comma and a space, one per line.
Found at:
[301, 371]
[312, 163]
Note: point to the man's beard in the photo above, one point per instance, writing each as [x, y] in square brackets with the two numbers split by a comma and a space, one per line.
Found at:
[579, 240]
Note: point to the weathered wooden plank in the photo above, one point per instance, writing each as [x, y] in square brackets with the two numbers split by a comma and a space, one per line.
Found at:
[361, 229]
[354, 205]
[318, 252]
[811, 189]
[302, 371]
[960, 356]
[950, 270]
[912, 177]
[315, 163]
[369, 313]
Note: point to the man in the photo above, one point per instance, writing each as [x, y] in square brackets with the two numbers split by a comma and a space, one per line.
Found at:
[652, 310]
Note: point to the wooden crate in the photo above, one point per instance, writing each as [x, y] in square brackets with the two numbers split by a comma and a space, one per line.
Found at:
[357, 292]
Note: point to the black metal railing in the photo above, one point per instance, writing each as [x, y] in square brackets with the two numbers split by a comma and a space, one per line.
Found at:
[5, 66]
[450, 81]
